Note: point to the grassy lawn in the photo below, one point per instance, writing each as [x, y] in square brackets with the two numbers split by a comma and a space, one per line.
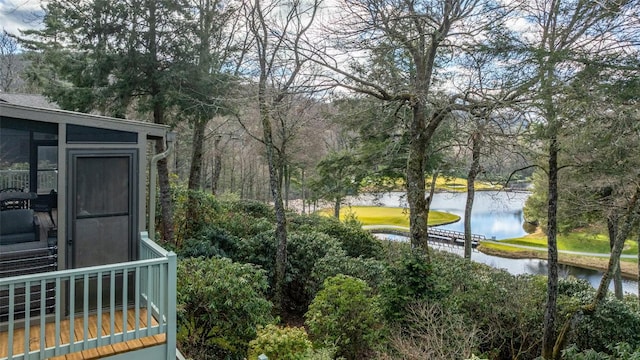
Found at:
[576, 241]
[459, 184]
[442, 184]
[376, 215]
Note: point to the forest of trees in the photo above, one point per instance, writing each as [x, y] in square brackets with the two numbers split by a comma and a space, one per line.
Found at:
[316, 100]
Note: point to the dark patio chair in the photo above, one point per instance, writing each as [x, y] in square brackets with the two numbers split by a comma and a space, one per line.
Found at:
[10, 202]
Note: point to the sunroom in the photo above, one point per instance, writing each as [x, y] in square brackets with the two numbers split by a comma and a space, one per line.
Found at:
[79, 276]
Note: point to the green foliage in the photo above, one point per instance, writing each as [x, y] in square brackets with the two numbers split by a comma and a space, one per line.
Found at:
[337, 262]
[613, 321]
[304, 249]
[252, 208]
[202, 203]
[339, 174]
[535, 208]
[259, 250]
[280, 343]
[212, 241]
[193, 248]
[621, 351]
[242, 225]
[507, 310]
[355, 241]
[408, 280]
[220, 306]
[346, 314]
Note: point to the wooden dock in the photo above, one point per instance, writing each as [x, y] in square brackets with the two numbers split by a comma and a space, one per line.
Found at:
[96, 353]
[440, 236]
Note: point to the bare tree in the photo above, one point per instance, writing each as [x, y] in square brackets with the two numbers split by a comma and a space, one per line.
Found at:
[9, 62]
[278, 29]
[394, 50]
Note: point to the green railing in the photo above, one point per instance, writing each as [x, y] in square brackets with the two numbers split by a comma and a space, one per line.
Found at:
[146, 288]
[47, 179]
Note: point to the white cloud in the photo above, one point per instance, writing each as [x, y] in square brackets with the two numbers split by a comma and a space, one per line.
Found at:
[16, 15]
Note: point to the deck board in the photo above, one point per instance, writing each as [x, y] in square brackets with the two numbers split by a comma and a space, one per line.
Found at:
[102, 351]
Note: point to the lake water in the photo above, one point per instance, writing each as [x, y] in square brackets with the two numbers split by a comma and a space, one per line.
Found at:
[526, 266]
[495, 214]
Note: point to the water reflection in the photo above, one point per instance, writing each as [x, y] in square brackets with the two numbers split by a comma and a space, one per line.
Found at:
[495, 213]
[526, 266]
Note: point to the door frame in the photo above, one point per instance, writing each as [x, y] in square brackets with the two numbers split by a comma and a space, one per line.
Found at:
[72, 156]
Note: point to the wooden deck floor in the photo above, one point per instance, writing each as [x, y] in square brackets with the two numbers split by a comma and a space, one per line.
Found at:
[34, 337]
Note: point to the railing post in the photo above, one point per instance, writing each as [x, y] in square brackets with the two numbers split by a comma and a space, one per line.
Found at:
[172, 284]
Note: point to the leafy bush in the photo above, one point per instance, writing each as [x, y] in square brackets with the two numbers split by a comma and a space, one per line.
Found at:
[220, 306]
[355, 241]
[198, 248]
[303, 251]
[613, 321]
[280, 343]
[202, 203]
[621, 351]
[260, 250]
[337, 262]
[346, 314]
[407, 280]
[252, 208]
[507, 310]
[243, 226]
[212, 241]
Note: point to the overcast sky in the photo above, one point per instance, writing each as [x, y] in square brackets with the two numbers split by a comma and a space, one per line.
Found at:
[19, 14]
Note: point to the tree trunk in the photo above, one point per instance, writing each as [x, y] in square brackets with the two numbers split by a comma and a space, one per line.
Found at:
[612, 226]
[195, 170]
[158, 101]
[165, 196]
[275, 184]
[281, 220]
[303, 190]
[217, 166]
[638, 278]
[336, 207]
[287, 184]
[471, 190]
[630, 220]
[415, 179]
[548, 336]
[195, 176]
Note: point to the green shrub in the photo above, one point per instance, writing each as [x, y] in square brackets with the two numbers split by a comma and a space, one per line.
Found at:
[280, 343]
[252, 208]
[243, 226]
[260, 250]
[355, 241]
[621, 351]
[613, 321]
[407, 280]
[507, 310]
[346, 314]
[337, 262]
[193, 248]
[304, 249]
[212, 241]
[220, 306]
[202, 203]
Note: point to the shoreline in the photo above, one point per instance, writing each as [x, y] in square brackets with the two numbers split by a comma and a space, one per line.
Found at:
[629, 270]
